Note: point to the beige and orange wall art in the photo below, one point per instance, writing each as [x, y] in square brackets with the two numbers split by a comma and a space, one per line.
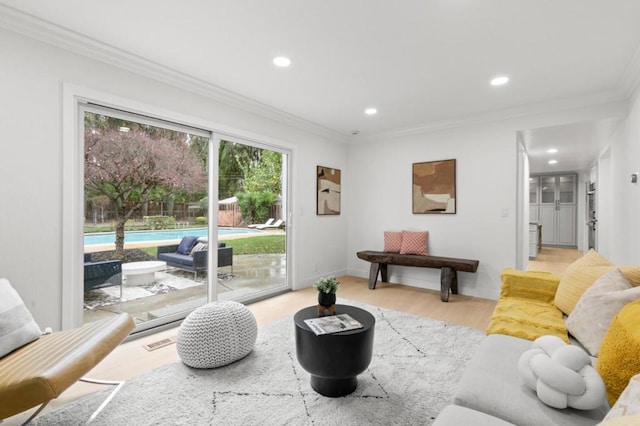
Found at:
[328, 189]
[434, 187]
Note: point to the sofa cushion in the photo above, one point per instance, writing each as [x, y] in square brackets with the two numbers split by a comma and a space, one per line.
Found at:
[618, 360]
[628, 404]
[582, 273]
[490, 384]
[592, 315]
[17, 327]
[455, 415]
[527, 319]
[186, 244]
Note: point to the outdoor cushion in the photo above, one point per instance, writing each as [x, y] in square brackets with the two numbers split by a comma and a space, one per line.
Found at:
[181, 259]
[186, 244]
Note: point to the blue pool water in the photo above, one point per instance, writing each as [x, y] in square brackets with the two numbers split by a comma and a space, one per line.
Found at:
[174, 234]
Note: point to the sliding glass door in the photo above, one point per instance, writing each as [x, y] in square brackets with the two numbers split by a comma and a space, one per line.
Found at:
[145, 193]
[164, 231]
[253, 194]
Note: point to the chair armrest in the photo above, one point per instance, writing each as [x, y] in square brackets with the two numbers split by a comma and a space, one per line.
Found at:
[532, 285]
[200, 259]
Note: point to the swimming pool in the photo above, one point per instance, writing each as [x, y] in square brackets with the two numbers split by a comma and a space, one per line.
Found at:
[173, 234]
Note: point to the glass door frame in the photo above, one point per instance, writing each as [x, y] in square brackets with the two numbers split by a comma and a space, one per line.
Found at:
[72, 232]
[216, 139]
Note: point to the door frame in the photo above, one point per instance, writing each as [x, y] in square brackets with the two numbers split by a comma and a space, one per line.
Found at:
[73, 185]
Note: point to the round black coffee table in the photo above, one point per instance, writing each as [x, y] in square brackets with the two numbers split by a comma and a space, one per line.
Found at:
[334, 360]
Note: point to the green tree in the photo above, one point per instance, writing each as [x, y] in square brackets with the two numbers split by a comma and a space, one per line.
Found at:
[129, 166]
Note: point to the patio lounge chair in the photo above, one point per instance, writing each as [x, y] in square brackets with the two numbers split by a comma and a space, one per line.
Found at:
[278, 224]
[267, 223]
[101, 274]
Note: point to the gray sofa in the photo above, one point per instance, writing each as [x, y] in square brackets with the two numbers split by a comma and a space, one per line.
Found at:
[490, 392]
[196, 261]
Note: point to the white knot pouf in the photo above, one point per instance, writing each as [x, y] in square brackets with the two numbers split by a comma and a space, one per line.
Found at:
[561, 375]
[216, 334]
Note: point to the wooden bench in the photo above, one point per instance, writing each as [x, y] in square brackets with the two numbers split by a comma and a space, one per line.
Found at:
[448, 268]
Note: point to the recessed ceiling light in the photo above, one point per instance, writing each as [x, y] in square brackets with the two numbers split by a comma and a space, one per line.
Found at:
[371, 111]
[499, 81]
[281, 61]
[552, 150]
[553, 162]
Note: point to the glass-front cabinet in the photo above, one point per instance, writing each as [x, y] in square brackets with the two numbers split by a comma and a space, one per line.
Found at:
[552, 204]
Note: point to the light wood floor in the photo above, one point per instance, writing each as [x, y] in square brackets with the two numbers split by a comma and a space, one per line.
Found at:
[131, 359]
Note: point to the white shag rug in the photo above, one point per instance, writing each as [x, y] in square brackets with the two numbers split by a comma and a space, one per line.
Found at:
[417, 363]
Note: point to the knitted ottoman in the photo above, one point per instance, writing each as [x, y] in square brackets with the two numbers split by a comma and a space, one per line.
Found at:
[216, 334]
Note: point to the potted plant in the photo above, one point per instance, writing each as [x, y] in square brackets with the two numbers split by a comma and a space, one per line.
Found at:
[327, 288]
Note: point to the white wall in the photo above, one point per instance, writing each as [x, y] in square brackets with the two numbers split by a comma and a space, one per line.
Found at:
[376, 187]
[624, 242]
[31, 81]
[486, 154]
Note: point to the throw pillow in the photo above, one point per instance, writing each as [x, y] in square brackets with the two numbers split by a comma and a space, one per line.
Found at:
[629, 402]
[17, 327]
[414, 242]
[582, 273]
[561, 375]
[592, 315]
[392, 241]
[618, 359]
[186, 244]
[199, 247]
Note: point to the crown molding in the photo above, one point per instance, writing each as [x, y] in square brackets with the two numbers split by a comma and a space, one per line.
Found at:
[554, 106]
[55, 35]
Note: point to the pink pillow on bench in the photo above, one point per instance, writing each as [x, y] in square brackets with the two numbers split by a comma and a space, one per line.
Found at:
[392, 241]
[414, 242]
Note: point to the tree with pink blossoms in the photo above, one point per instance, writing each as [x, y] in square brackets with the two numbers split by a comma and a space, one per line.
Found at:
[127, 166]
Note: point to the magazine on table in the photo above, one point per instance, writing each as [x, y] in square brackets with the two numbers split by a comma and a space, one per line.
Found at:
[332, 324]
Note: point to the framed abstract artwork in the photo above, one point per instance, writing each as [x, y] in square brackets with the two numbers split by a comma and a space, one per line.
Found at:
[328, 191]
[434, 187]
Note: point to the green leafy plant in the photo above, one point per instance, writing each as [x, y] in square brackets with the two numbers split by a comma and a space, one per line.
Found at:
[327, 285]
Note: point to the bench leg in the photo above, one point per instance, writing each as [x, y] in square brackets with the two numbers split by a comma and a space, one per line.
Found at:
[448, 282]
[373, 275]
[384, 277]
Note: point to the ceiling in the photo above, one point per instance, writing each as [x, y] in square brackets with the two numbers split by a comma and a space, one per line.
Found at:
[421, 63]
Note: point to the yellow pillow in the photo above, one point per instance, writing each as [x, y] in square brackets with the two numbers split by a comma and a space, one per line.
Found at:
[582, 273]
[618, 359]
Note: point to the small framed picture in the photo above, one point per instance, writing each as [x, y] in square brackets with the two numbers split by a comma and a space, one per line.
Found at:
[328, 191]
[434, 187]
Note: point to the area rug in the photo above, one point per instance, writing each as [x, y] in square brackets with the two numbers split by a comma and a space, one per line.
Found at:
[416, 365]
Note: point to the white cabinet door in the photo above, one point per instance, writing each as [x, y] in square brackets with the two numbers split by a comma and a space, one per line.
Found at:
[557, 209]
[566, 230]
[548, 222]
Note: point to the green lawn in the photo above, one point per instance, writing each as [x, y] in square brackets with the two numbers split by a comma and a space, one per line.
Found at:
[249, 245]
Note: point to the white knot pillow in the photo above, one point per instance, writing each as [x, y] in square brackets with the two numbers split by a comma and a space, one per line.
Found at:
[561, 375]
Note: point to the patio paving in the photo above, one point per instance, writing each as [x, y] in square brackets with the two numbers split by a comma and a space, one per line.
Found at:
[177, 290]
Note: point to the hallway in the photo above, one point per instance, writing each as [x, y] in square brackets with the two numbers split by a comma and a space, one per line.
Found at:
[554, 259]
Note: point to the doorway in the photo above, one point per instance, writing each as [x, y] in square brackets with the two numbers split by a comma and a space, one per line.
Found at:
[553, 202]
